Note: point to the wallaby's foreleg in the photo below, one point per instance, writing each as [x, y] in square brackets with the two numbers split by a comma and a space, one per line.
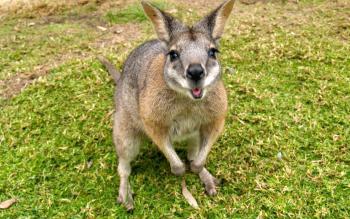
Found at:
[159, 136]
[177, 166]
[209, 181]
[127, 144]
[208, 135]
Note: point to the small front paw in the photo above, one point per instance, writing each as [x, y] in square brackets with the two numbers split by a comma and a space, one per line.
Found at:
[196, 168]
[178, 170]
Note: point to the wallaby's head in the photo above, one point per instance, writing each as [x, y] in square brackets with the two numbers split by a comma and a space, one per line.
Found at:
[191, 65]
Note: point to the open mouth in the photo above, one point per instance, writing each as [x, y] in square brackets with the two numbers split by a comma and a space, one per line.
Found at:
[197, 93]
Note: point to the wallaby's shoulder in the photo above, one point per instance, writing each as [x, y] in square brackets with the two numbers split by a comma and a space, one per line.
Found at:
[136, 66]
[145, 51]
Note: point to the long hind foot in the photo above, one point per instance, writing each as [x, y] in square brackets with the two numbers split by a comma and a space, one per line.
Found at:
[125, 196]
[127, 144]
[210, 182]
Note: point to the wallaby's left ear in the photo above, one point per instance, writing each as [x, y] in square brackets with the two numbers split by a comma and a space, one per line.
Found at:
[214, 23]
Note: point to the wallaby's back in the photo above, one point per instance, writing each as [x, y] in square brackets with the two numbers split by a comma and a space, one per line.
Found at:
[134, 76]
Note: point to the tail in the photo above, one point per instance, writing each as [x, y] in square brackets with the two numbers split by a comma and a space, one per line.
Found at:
[110, 68]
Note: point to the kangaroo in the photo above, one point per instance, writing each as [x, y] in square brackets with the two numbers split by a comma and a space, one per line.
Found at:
[171, 90]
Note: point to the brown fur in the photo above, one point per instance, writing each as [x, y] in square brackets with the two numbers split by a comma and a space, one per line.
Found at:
[157, 101]
[159, 104]
[157, 97]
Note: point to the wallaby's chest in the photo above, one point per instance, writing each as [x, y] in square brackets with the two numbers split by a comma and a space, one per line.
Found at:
[184, 125]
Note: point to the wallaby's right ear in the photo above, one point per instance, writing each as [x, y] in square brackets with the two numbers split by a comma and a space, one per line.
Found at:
[214, 23]
[165, 25]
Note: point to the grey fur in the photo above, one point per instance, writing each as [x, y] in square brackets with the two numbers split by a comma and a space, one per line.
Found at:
[174, 108]
[110, 68]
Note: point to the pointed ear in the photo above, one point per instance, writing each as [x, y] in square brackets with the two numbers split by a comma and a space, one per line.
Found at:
[214, 23]
[164, 24]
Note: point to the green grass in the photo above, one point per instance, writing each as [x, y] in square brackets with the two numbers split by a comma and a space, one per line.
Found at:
[132, 13]
[23, 47]
[290, 93]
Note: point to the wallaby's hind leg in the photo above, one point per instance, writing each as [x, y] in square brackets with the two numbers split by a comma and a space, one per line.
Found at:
[125, 193]
[209, 181]
[127, 143]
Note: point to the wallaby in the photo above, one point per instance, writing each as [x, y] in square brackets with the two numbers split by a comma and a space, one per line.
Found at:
[171, 90]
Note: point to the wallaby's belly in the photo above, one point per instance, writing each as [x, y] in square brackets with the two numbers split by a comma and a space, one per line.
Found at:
[184, 127]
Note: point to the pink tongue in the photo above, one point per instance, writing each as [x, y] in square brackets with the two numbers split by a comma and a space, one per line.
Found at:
[196, 91]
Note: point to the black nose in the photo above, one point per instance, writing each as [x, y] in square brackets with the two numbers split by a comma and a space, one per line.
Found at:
[195, 72]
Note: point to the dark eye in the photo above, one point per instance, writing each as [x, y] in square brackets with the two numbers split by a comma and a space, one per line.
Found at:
[174, 55]
[212, 53]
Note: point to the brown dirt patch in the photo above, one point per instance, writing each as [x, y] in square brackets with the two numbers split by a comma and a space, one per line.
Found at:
[41, 8]
[15, 84]
[206, 6]
[199, 5]
[117, 34]
[110, 36]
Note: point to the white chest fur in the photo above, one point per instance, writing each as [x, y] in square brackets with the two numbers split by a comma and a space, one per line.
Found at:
[184, 127]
